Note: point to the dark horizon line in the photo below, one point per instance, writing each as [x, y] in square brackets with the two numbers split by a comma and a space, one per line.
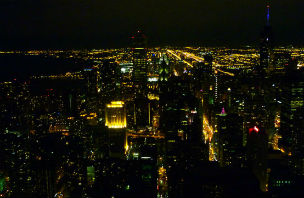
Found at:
[231, 46]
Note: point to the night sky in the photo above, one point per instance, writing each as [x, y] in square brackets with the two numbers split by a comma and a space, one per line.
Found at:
[44, 24]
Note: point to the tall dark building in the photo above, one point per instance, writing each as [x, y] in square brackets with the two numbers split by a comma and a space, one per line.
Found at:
[202, 74]
[140, 67]
[257, 154]
[163, 71]
[92, 80]
[266, 44]
[176, 104]
[139, 78]
[292, 120]
[231, 151]
[110, 80]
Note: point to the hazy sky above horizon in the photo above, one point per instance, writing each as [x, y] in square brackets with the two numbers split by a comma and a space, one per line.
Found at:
[32, 24]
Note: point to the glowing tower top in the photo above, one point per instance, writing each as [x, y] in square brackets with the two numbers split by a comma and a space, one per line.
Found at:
[268, 12]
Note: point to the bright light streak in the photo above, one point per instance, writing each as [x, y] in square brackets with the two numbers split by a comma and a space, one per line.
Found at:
[275, 141]
[277, 121]
[208, 135]
[126, 145]
[212, 154]
[207, 130]
[174, 54]
[179, 58]
[228, 73]
[197, 58]
[201, 59]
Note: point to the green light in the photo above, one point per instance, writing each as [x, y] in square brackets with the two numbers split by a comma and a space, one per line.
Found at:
[2, 183]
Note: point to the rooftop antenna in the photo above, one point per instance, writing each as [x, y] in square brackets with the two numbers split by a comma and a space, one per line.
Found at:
[268, 12]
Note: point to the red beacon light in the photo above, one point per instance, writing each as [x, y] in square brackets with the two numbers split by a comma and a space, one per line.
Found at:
[254, 129]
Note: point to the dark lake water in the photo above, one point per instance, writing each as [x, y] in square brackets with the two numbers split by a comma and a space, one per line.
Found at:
[21, 66]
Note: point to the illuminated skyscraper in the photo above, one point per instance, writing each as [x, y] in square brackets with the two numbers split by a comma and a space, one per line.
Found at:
[116, 115]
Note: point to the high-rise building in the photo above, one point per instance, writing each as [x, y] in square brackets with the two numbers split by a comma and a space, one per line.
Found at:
[140, 67]
[92, 78]
[231, 150]
[163, 71]
[266, 44]
[116, 122]
[257, 154]
[139, 79]
[116, 115]
[292, 120]
[110, 79]
[141, 111]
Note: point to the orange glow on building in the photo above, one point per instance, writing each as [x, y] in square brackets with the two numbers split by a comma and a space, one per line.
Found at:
[275, 141]
[116, 115]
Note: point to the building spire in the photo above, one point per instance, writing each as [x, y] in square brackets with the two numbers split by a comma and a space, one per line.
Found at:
[268, 12]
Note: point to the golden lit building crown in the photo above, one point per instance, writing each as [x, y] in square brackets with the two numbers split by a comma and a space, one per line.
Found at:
[116, 115]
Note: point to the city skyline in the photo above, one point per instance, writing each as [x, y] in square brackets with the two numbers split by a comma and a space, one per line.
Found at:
[151, 99]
